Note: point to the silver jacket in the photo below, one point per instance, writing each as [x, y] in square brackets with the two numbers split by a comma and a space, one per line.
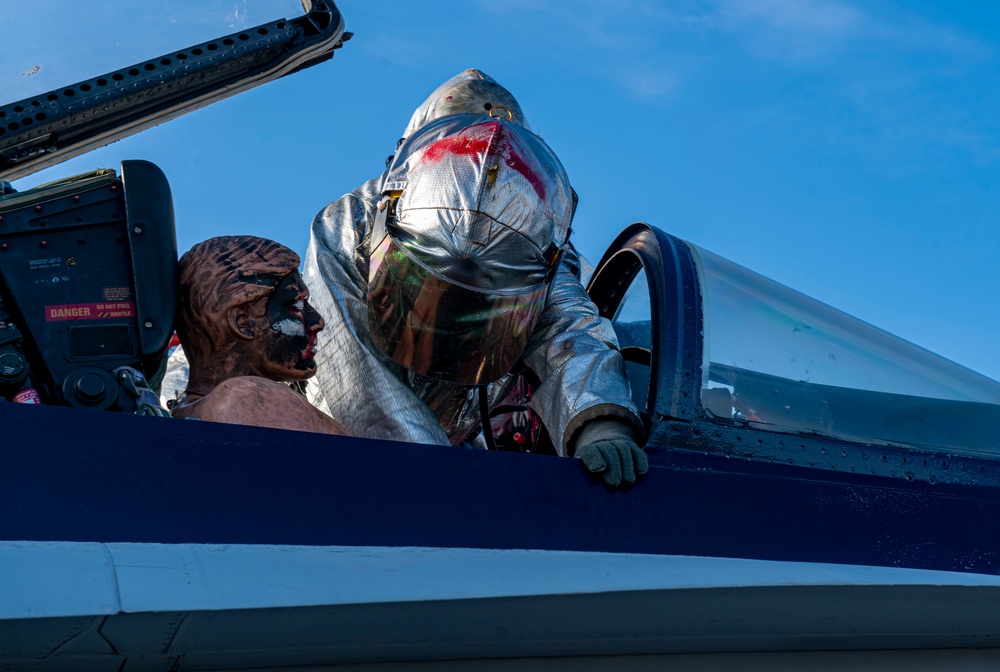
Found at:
[572, 350]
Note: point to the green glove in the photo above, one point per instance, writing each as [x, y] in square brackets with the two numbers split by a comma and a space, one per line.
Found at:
[606, 447]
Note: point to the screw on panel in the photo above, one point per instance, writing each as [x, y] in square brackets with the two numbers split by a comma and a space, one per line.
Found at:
[137, 230]
[148, 325]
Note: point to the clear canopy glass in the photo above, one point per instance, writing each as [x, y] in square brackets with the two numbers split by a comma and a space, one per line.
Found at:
[52, 43]
[777, 359]
[633, 326]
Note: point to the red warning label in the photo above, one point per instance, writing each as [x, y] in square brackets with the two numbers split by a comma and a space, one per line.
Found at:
[90, 311]
[28, 396]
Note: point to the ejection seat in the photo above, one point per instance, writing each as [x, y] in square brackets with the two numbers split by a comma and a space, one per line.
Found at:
[88, 281]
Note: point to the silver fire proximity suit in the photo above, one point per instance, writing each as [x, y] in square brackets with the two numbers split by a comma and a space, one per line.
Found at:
[571, 349]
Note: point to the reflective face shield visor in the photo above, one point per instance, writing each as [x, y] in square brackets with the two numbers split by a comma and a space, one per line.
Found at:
[442, 329]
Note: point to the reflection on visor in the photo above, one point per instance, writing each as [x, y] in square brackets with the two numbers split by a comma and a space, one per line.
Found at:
[441, 329]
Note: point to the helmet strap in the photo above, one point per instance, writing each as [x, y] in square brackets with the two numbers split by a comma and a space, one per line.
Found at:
[385, 217]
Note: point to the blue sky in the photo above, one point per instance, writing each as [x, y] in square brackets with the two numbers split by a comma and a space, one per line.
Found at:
[849, 150]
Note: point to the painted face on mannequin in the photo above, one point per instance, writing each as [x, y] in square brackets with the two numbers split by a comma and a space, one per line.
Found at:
[288, 341]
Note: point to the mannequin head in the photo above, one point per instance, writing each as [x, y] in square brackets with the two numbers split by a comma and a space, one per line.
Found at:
[244, 310]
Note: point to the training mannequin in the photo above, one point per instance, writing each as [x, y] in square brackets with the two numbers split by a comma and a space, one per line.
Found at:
[246, 326]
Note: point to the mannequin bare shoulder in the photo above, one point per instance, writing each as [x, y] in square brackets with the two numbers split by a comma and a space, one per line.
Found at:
[259, 402]
[247, 328]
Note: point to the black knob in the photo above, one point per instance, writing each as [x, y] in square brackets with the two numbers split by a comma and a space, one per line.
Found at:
[90, 387]
[12, 367]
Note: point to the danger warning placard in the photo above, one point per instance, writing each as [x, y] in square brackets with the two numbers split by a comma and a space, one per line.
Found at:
[90, 311]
